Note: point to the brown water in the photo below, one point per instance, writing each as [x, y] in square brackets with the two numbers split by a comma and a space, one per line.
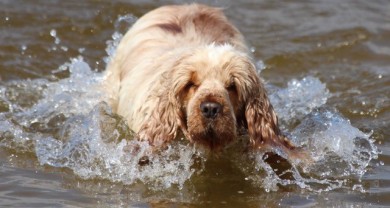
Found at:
[337, 50]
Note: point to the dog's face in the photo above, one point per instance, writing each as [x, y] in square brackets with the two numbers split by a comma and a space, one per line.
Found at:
[209, 93]
[212, 86]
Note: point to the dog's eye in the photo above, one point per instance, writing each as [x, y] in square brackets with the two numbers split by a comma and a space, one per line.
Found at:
[231, 87]
[190, 85]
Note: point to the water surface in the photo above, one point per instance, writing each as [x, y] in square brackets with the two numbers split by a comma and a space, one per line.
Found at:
[326, 67]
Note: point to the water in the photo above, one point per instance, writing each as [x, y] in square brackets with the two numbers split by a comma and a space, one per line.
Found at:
[327, 82]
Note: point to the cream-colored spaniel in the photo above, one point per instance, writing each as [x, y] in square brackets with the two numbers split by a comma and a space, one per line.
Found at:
[185, 70]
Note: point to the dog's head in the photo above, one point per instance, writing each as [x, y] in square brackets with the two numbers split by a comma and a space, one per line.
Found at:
[218, 92]
[209, 94]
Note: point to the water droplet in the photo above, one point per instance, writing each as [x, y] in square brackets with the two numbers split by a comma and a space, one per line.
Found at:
[260, 66]
[64, 48]
[23, 48]
[53, 33]
[358, 187]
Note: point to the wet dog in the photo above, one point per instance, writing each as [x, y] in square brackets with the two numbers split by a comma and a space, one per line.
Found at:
[185, 70]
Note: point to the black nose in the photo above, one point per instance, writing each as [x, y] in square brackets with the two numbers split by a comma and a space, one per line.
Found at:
[210, 109]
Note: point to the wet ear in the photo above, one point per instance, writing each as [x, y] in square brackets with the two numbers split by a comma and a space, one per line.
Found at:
[162, 125]
[263, 129]
[261, 119]
[166, 118]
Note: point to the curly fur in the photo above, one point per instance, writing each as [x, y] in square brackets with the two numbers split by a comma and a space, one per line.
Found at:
[176, 57]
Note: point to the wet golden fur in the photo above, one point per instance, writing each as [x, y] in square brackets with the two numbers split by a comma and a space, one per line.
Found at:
[176, 57]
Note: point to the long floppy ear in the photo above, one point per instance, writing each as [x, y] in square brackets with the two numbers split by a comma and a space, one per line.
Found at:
[264, 131]
[261, 119]
[166, 117]
[162, 125]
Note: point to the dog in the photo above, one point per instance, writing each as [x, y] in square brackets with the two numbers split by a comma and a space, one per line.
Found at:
[185, 70]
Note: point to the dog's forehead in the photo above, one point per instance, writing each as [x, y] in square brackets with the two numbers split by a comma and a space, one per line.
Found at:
[210, 71]
[217, 63]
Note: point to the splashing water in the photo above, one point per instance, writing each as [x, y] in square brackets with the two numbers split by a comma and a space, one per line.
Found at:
[340, 149]
[66, 124]
[122, 24]
[95, 149]
[71, 127]
[298, 99]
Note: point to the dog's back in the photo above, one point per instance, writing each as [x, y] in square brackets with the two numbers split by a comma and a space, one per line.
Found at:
[180, 26]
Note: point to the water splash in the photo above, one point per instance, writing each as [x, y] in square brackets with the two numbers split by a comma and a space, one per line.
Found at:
[340, 149]
[39, 107]
[299, 99]
[122, 24]
[66, 124]
[69, 126]
[341, 154]
[96, 146]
